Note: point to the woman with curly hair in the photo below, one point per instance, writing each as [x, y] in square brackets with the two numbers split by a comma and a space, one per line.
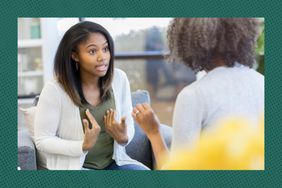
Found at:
[224, 48]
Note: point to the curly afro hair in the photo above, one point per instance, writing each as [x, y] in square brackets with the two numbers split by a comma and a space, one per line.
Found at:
[198, 41]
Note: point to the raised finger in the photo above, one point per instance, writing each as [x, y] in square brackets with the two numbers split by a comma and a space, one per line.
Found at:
[135, 110]
[136, 113]
[85, 125]
[123, 125]
[91, 118]
[140, 108]
[108, 117]
[146, 106]
[105, 120]
[133, 114]
[112, 116]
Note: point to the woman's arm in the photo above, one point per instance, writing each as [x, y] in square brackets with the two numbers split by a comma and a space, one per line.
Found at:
[188, 116]
[47, 122]
[149, 122]
[160, 149]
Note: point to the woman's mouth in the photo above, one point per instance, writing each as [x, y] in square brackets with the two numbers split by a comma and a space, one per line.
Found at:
[101, 68]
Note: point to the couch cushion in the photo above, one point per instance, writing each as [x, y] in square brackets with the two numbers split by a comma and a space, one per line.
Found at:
[29, 114]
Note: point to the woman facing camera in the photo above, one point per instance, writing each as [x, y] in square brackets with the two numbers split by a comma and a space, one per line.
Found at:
[224, 48]
[83, 117]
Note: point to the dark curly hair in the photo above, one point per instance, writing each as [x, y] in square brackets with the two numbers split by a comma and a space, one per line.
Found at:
[198, 41]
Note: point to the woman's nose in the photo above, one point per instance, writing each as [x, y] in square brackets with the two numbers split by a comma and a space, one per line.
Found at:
[101, 56]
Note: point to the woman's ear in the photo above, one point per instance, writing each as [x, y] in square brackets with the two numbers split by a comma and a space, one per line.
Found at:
[74, 56]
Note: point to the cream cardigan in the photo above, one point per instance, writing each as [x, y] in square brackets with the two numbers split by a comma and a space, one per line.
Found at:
[58, 128]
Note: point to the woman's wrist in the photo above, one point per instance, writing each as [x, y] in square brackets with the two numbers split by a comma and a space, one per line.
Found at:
[123, 140]
[154, 135]
[85, 147]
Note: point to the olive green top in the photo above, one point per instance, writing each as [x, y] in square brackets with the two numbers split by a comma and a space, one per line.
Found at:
[100, 156]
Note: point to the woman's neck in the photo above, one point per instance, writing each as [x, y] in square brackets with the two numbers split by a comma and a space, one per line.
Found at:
[89, 81]
[217, 62]
[91, 89]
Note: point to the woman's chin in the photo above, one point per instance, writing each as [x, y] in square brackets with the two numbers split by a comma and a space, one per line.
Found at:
[100, 73]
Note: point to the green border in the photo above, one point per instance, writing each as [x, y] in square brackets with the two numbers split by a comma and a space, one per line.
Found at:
[11, 10]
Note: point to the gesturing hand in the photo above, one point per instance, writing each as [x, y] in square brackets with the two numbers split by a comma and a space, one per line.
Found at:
[146, 118]
[90, 135]
[117, 130]
[149, 122]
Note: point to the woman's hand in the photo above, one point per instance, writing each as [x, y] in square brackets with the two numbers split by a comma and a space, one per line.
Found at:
[90, 135]
[144, 115]
[117, 130]
[149, 122]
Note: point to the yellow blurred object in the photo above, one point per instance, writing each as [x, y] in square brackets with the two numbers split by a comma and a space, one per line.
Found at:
[234, 144]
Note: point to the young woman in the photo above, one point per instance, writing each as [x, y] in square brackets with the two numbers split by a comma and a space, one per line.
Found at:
[83, 117]
[224, 48]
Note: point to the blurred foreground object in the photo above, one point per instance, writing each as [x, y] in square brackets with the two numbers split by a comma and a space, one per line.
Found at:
[234, 145]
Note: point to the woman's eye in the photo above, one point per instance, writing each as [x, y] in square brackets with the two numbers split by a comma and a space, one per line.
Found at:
[106, 49]
[92, 52]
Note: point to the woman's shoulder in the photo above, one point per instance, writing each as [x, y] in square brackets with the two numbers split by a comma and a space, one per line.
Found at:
[190, 93]
[52, 85]
[119, 76]
[118, 73]
[120, 81]
[187, 90]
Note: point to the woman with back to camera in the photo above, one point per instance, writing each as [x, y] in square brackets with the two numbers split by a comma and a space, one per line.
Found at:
[224, 48]
[83, 117]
